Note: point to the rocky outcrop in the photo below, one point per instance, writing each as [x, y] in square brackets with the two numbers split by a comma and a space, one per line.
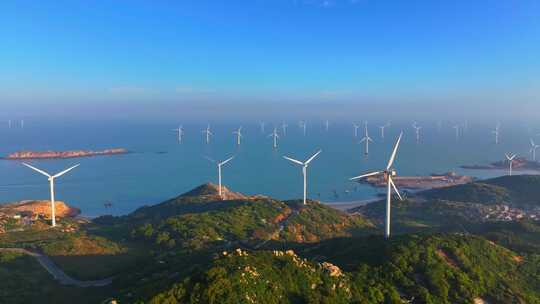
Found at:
[40, 207]
[62, 154]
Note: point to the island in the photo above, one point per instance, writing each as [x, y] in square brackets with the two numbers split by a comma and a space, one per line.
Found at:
[62, 154]
[520, 163]
[420, 182]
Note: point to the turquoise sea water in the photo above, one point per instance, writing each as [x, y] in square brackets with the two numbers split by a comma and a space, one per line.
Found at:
[159, 168]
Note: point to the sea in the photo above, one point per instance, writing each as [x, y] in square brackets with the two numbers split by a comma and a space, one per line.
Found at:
[158, 167]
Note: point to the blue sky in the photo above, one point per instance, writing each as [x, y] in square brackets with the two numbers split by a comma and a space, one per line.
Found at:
[76, 52]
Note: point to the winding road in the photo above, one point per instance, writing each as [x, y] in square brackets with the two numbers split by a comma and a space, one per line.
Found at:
[57, 273]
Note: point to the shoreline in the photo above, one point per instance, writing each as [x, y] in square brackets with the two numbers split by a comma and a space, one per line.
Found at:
[345, 206]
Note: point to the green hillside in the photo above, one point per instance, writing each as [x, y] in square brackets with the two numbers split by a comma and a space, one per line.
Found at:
[517, 191]
[429, 269]
[199, 221]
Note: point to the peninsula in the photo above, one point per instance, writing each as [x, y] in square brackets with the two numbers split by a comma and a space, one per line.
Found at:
[520, 163]
[62, 154]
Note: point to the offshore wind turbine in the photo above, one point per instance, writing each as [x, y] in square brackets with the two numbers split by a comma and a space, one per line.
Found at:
[388, 174]
[219, 165]
[262, 124]
[51, 179]
[417, 131]
[533, 149]
[275, 137]
[238, 136]
[496, 133]
[327, 125]
[284, 128]
[510, 158]
[9, 123]
[356, 127]
[302, 124]
[207, 134]
[22, 123]
[383, 128]
[366, 139]
[304, 169]
[456, 127]
[180, 132]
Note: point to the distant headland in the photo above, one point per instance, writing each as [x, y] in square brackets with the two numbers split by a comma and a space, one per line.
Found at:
[63, 154]
[421, 182]
[519, 163]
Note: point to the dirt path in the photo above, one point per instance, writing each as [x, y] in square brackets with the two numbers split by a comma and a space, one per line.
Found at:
[57, 273]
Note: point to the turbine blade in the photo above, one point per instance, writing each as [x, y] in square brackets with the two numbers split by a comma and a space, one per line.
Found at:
[226, 161]
[38, 170]
[393, 156]
[294, 160]
[395, 188]
[365, 175]
[313, 157]
[66, 171]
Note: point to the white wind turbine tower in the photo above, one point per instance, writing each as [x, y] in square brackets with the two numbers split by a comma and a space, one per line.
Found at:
[510, 158]
[275, 137]
[366, 139]
[180, 132]
[327, 125]
[456, 127]
[383, 128]
[533, 149]
[207, 134]
[417, 131]
[304, 169]
[302, 124]
[284, 128]
[356, 127]
[219, 165]
[238, 134]
[388, 174]
[262, 124]
[496, 133]
[51, 179]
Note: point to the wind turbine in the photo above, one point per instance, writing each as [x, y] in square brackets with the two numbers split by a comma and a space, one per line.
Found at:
[417, 131]
[180, 132]
[262, 124]
[207, 134]
[284, 128]
[366, 139]
[51, 179]
[327, 125]
[496, 133]
[533, 149]
[238, 136]
[22, 123]
[275, 137]
[388, 174]
[382, 129]
[302, 124]
[356, 127]
[456, 127]
[219, 165]
[510, 158]
[304, 169]
[9, 123]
